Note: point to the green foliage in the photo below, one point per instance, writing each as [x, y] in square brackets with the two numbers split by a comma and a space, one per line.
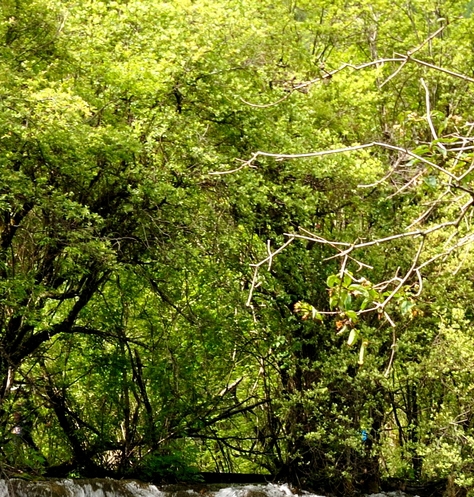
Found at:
[156, 467]
[126, 342]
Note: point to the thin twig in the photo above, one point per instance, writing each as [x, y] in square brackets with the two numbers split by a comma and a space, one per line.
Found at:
[441, 69]
[259, 264]
[326, 76]
[270, 255]
[411, 52]
[352, 148]
[392, 355]
[406, 277]
[236, 170]
[429, 210]
[406, 185]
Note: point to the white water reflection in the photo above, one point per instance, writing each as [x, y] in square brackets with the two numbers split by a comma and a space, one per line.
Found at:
[123, 488]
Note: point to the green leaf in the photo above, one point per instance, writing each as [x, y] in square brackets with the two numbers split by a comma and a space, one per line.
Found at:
[353, 335]
[364, 304]
[333, 280]
[358, 289]
[316, 315]
[343, 330]
[347, 280]
[421, 150]
[346, 298]
[362, 351]
[431, 181]
[352, 315]
[406, 306]
[333, 301]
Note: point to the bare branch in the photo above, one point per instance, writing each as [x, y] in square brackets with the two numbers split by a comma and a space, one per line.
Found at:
[430, 209]
[402, 58]
[411, 52]
[441, 69]
[428, 113]
[392, 355]
[406, 277]
[407, 185]
[351, 149]
[253, 285]
[236, 170]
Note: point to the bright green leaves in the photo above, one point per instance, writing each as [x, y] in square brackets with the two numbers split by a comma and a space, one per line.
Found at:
[353, 301]
[307, 311]
[347, 298]
[333, 280]
[355, 297]
[469, 9]
[29, 32]
[112, 115]
[350, 295]
[340, 295]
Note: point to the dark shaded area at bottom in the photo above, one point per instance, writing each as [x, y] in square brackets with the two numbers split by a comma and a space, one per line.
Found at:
[436, 488]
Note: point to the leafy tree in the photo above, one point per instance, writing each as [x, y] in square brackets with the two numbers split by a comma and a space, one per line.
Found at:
[128, 222]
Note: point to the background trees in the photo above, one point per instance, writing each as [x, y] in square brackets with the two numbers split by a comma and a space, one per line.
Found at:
[126, 342]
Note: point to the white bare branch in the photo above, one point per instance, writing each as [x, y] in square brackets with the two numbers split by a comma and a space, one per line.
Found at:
[322, 153]
[428, 113]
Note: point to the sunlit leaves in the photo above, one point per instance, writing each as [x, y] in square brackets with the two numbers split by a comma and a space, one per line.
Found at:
[307, 311]
[131, 262]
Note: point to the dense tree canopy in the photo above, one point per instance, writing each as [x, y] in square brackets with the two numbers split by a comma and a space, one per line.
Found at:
[148, 159]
